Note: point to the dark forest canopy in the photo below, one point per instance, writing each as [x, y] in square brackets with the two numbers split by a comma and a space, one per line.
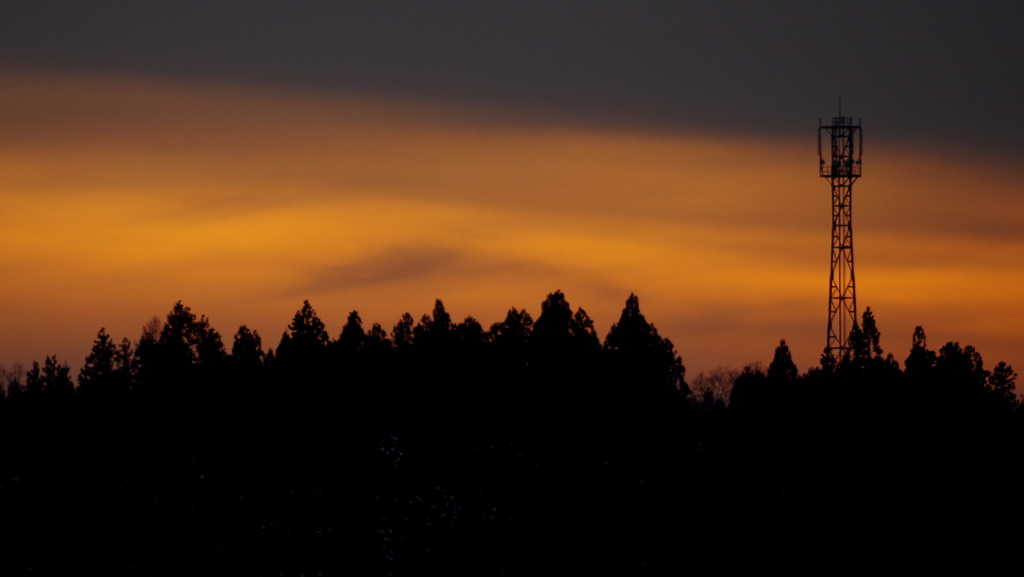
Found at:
[184, 347]
[530, 446]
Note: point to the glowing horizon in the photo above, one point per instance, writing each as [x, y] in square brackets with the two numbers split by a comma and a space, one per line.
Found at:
[124, 195]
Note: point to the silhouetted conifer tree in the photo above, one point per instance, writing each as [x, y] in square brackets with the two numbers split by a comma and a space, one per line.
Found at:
[866, 352]
[144, 361]
[471, 340]
[960, 380]
[402, 333]
[53, 379]
[921, 360]
[551, 338]
[175, 348]
[553, 384]
[107, 369]
[247, 364]
[585, 339]
[350, 341]
[870, 332]
[641, 355]
[510, 338]
[1002, 384]
[97, 376]
[961, 366]
[210, 354]
[377, 341]
[306, 328]
[858, 354]
[123, 364]
[434, 331]
[513, 333]
[247, 351]
[186, 349]
[782, 368]
[303, 347]
[585, 356]
[472, 358]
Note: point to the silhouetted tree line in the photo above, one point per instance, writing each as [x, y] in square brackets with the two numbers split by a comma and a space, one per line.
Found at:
[527, 447]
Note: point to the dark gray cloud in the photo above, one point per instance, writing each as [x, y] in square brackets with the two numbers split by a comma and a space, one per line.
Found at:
[407, 265]
[944, 73]
[401, 265]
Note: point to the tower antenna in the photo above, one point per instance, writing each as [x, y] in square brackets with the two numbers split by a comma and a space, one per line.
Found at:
[841, 166]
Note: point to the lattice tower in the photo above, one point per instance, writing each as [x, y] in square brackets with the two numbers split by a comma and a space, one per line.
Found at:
[841, 166]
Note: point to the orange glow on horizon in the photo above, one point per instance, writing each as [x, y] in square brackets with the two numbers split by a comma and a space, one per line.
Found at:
[123, 196]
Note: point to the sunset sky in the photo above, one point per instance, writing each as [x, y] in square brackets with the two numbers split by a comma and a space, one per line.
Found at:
[242, 157]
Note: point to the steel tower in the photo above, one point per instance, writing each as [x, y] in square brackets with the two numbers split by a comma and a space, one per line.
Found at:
[841, 166]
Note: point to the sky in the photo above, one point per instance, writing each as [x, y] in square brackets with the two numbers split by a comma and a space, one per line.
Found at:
[244, 156]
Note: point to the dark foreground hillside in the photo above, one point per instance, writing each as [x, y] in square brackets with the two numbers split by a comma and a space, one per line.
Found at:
[527, 448]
